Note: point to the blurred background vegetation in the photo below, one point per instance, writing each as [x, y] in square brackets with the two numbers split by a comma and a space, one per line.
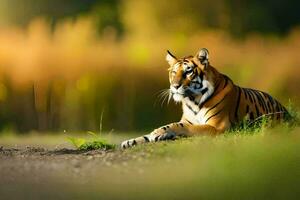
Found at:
[64, 62]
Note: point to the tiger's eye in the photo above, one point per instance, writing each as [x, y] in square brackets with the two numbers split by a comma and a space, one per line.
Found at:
[189, 70]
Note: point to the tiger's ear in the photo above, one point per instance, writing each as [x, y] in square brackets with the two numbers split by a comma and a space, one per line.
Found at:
[170, 58]
[202, 57]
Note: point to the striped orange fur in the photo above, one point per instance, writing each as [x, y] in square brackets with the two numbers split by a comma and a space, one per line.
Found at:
[211, 102]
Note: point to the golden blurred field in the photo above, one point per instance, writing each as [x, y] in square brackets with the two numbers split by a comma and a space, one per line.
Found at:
[59, 70]
[63, 77]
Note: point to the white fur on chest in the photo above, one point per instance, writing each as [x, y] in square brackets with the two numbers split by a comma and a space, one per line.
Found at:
[193, 113]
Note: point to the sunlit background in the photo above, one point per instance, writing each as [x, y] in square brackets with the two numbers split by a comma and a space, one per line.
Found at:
[64, 62]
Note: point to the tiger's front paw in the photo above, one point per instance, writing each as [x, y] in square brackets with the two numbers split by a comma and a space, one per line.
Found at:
[167, 136]
[162, 134]
[128, 143]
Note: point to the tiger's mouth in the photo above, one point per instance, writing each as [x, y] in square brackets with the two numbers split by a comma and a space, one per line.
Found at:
[178, 96]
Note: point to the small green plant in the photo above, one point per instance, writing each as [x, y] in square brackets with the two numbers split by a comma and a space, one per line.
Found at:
[95, 142]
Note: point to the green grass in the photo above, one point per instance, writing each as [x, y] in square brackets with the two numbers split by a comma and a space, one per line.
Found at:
[265, 165]
[258, 162]
[93, 143]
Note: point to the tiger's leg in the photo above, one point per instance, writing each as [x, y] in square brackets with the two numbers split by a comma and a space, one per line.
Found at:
[170, 132]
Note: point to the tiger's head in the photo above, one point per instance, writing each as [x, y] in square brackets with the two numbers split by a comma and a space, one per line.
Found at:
[191, 76]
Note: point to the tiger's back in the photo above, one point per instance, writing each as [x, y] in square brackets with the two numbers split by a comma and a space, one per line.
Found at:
[232, 105]
[255, 104]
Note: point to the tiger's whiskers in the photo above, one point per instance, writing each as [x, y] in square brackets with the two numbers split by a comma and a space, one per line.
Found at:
[163, 95]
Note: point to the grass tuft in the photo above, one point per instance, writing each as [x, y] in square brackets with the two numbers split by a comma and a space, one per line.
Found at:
[94, 143]
[265, 122]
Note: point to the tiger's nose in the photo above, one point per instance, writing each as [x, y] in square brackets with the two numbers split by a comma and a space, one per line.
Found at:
[176, 86]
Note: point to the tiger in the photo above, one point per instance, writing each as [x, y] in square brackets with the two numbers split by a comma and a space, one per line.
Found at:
[211, 102]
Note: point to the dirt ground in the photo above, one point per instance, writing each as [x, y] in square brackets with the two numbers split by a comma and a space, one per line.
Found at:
[261, 166]
[16, 160]
[23, 170]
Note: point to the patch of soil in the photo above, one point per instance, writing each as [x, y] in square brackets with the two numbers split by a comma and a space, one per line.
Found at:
[51, 169]
[39, 151]
[15, 163]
